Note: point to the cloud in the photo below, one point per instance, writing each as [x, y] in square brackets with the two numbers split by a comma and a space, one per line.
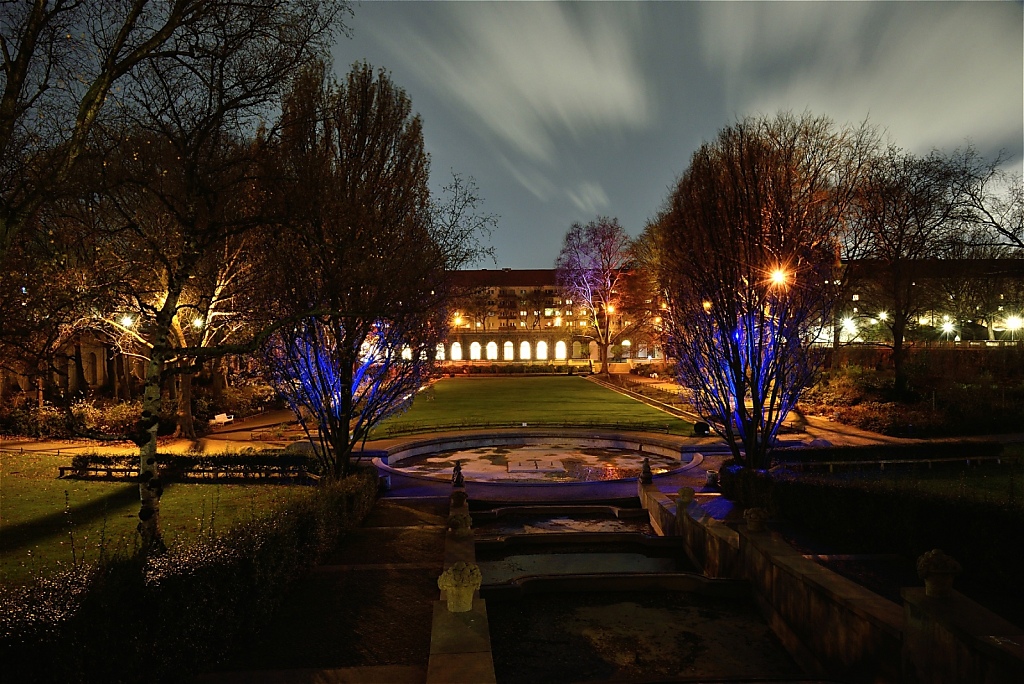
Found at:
[531, 73]
[927, 72]
[588, 197]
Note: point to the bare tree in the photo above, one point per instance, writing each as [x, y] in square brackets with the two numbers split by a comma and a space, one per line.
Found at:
[591, 269]
[749, 237]
[908, 207]
[185, 175]
[368, 249]
[61, 61]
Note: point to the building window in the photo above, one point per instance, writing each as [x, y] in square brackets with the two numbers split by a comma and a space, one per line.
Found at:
[560, 350]
[508, 351]
[456, 351]
[524, 351]
[474, 351]
[492, 351]
[542, 350]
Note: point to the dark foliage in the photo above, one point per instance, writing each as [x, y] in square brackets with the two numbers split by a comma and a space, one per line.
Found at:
[162, 619]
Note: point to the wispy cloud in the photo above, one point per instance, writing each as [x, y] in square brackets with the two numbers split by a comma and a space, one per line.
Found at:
[923, 71]
[589, 197]
[531, 73]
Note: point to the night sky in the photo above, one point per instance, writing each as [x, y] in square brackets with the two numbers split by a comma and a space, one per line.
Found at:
[566, 111]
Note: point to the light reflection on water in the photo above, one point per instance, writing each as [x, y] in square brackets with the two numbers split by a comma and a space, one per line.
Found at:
[539, 463]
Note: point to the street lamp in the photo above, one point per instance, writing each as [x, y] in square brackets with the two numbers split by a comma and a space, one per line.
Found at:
[1013, 324]
[127, 321]
[778, 277]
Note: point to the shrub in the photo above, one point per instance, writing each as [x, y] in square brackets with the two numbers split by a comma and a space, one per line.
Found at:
[174, 614]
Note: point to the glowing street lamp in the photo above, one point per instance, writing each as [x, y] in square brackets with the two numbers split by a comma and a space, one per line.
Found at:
[1013, 324]
[778, 277]
[947, 328]
[198, 323]
[127, 321]
[883, 315]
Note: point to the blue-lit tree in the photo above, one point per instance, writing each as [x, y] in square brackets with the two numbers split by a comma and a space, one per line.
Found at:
[745, 246]
[339, 387]
[368, 248]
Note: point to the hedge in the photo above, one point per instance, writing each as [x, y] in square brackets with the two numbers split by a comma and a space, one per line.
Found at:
[163, 619]
[177, 466]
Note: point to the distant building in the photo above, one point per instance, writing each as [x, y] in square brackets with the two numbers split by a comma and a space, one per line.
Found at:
[522, 316]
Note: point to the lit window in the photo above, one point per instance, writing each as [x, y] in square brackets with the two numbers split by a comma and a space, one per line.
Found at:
[492, 351]
[456, 351]
[474, 351]
[542, 350]
[560, 350]
[524, 351]
[856, 297]
[508, 351]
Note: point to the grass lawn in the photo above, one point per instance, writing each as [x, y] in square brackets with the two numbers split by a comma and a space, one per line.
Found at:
[36, 527]
[537, 401]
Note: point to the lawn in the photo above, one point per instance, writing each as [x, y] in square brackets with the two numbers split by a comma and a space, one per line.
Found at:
[40, 514]
[537, 401]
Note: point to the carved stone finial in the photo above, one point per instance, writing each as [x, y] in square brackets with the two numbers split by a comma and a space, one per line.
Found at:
[685, 496]
[646, 476]
[461, 524]
[457, 478]
[755, 518]
[459, 582]
[937, 570]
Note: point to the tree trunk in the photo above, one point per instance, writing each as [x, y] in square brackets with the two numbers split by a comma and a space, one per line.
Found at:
[186, 424]
[150, 485]
[219, 378]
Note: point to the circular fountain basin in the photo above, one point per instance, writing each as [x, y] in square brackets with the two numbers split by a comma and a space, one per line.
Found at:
[535, 458]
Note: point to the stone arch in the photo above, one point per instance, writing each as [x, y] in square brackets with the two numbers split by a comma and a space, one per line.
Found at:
[508, 351]
[474, 351]
[560, 350]
[456, 351]
[492, 351]
[524, 350]
[577, 349]
[542, 350]
[595, 353]
[439, 353]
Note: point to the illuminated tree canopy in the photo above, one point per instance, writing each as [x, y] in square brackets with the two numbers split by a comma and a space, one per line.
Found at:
[746, 244]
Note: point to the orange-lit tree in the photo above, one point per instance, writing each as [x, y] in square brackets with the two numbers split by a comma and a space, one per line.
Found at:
[746, 243]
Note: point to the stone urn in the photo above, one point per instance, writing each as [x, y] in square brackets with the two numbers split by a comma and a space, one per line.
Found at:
[755, 518]
[458, 498]
[685, 497]
[461, 524]
[459, 582]
[937, 570]
[712, 476]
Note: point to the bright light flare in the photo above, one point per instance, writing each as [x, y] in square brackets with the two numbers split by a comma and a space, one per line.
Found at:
[779, 277]
[1014, 323]
[883, 315]
[849, 325]
[947, 327]
[127, 321]
[198, 323]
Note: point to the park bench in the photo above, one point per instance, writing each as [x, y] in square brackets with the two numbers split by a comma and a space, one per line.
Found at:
[223, 419]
